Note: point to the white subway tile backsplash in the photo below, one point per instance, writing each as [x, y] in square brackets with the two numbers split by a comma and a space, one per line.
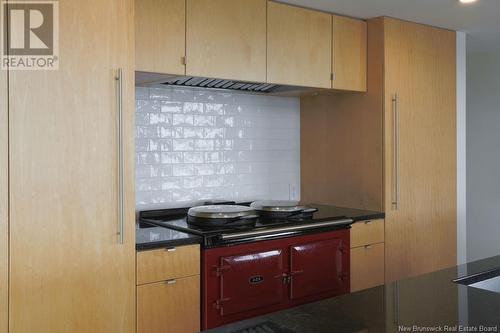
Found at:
[171, 158]
[194, 157]
[160, 118]
[171, 107]
[200, 144]
[183, 144]
[183, 120]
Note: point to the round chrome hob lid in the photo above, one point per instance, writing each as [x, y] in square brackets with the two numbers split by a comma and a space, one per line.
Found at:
[277, 206]
[221, 211]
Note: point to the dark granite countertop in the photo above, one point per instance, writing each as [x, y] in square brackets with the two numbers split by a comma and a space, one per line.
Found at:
[327, 212]
[157, 237]
[428, 303]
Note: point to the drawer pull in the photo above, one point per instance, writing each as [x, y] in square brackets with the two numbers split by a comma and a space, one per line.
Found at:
[171, 249]
[368, 222]
[173, 281]
[368, 247]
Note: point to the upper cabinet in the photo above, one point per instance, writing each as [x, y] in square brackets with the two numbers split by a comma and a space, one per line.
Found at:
[226, 39]
[160, 36]
[250, 40]
[349, 54]
[299, 46]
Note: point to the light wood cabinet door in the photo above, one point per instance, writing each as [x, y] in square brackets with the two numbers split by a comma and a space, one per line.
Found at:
[160, 30]
[226, 39]
[420, 160]
[367, 266]
[367, 232]
[68, 271]
[4, 216]
[349, 54]
[169, 306]
[299, 46]
[170, 263]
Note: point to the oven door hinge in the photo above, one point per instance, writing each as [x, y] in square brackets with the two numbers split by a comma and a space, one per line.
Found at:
[219, 305]
[343, 277]
[220, 269]
[285, 278]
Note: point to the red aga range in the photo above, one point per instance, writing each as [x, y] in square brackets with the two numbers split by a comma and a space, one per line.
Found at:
[269, 256]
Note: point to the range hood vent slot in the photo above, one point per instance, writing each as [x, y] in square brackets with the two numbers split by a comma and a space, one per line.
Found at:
[202, 82]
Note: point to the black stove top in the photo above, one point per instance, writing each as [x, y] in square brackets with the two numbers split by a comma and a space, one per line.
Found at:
[326, 218]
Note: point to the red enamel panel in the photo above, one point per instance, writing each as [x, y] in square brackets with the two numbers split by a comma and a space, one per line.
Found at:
[315, 268]
[243, 281]
[251, 281]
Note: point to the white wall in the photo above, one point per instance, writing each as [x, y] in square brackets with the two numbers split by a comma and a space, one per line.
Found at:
[197, 144]
[483, 155]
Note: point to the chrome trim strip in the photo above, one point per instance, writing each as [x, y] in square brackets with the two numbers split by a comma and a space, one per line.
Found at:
[278, 231]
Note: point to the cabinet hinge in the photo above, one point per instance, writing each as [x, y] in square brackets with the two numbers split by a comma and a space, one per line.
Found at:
[220, 269]
[183, 60]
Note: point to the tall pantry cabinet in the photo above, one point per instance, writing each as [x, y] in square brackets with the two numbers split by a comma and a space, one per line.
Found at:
[420, 148]
[394, 147]
[72, 237]
[4, 192]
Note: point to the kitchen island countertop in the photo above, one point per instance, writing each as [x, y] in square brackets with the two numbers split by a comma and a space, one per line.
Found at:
[428, 303]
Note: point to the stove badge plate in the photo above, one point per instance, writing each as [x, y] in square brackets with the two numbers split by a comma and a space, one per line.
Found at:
[256, 279]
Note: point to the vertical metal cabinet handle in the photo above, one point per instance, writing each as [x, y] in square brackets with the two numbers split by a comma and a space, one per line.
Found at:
[395, 142]
[119, 127]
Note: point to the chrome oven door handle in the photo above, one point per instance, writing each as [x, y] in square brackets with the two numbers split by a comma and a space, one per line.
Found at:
[269, 232]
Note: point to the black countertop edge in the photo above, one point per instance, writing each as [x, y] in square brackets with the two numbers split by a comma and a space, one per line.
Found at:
[151, 237]
[167, 243]
[371, 216]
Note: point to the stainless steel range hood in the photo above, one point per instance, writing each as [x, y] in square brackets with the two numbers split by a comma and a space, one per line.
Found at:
[202, 82]
[148, 79]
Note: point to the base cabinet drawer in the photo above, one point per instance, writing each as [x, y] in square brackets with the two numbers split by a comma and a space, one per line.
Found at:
[171, 306]
[169, 263]
[367, 232]
[367, 266]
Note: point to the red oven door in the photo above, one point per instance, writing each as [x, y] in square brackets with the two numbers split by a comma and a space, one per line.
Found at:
[316, 268]
[251, 281]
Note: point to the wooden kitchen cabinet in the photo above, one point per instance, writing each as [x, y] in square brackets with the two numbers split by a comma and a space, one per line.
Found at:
[299, 46]
[349, 54]
[169, 306]
[367, 266]
[4, 216]
[69, 272]
[420, 158]
[367, 254]
[160, 36]
[168, 290]
[367, 232]
[169, 263]
[401, 157]
[226, 39]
